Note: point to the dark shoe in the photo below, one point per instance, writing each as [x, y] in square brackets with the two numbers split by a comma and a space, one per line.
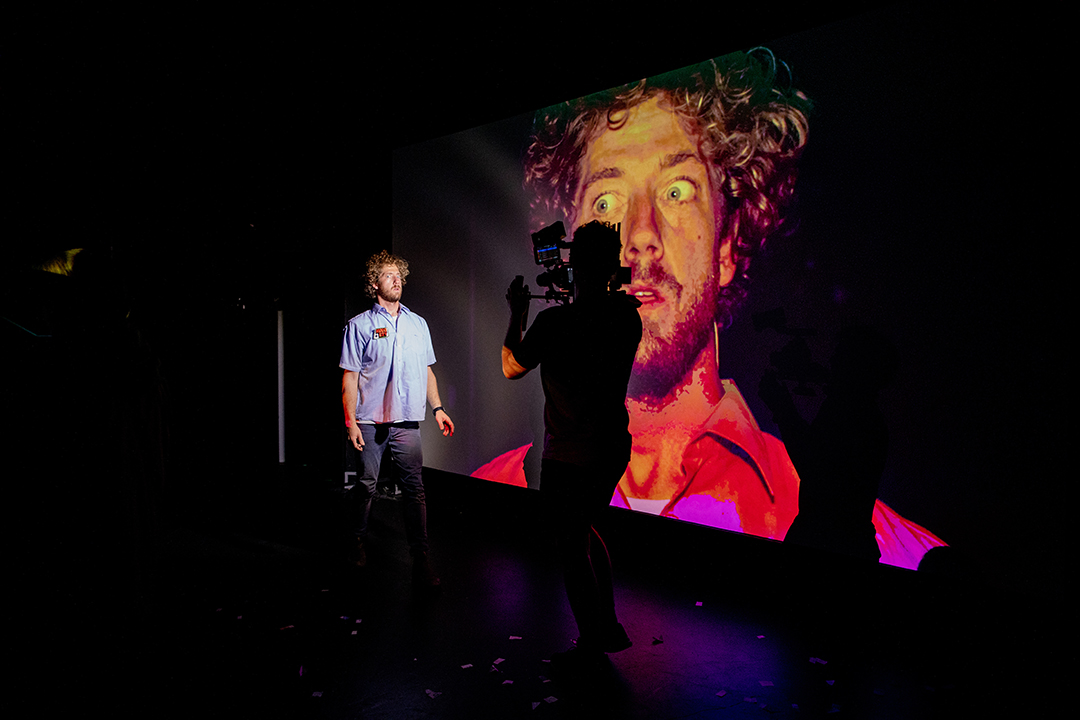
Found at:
[424, 577]
[358, 556]
[577, 661]
[616, 639]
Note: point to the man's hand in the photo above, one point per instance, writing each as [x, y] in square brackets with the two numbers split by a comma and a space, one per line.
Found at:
[517, 296]
[355, 437]
[445, 423]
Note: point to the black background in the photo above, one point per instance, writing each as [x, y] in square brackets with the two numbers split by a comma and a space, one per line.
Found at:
[220, 166]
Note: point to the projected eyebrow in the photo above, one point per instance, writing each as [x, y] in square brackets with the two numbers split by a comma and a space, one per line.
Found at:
[668, 161]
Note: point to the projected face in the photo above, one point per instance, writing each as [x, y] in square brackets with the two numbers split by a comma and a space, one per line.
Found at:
[388, 286]
[649, 175]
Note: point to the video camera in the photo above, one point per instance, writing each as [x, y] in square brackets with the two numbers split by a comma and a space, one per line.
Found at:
[558, 276]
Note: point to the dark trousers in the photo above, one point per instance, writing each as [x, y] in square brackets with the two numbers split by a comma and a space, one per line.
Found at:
[403, 444]
[575, 495]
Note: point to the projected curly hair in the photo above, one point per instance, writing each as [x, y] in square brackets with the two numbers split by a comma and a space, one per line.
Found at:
[751, 129]
[376, 263]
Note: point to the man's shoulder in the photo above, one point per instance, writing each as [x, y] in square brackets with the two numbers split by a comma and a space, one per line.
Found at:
[363, 317]
[554, 312]
[413, 317]
[410, 313]
[551, 318]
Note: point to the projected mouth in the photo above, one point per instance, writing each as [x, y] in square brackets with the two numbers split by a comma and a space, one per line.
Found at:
[647, 295]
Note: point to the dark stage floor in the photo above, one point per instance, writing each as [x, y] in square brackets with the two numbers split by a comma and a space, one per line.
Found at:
[266, 623]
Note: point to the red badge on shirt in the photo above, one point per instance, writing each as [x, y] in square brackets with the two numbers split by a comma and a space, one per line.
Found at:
[380, 332]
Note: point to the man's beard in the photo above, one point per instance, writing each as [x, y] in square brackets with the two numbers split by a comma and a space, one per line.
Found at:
[663, 361]
[390, 295]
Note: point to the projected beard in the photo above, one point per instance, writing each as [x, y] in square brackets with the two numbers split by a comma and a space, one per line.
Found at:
[668, 350]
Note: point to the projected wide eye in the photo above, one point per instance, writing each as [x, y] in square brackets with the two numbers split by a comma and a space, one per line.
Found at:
[604, 205]
[680, 191]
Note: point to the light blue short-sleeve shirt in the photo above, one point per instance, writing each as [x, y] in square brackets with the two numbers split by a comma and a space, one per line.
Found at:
[391, 356]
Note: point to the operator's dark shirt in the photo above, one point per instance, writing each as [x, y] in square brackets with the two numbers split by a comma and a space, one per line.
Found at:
[586, 353]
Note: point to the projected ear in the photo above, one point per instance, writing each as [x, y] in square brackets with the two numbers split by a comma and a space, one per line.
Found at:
[726, 251]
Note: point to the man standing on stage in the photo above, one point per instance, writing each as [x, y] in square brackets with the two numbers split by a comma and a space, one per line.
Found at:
[386, 354]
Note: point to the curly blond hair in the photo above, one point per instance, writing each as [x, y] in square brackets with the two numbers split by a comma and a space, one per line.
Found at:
[376, 263]
[751, 128]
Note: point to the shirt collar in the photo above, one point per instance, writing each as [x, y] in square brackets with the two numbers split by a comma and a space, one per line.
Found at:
[380, 309]
[733, 426]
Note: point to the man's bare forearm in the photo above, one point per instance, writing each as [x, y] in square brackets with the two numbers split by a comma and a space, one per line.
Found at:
[441, 416]
[518, 298]
[348, 397]
[511, 368]
[432, 389]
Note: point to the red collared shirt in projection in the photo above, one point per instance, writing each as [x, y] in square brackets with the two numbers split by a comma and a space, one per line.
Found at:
[737, 477]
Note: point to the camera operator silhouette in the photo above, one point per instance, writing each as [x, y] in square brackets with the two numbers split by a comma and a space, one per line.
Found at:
[585, 351]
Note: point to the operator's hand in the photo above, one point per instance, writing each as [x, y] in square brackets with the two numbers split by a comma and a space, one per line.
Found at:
[517, 296]
[355, 437]
[445, 423]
